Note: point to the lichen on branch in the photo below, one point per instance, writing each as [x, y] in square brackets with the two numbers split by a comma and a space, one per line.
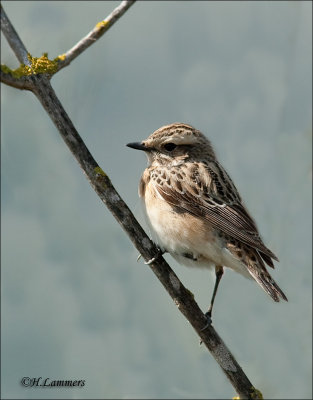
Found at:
[38, 65]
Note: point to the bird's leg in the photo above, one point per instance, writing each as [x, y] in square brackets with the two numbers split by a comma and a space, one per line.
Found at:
[159, 253]
[218, 276]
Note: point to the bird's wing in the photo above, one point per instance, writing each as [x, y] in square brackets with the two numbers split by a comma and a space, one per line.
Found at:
[206, 191]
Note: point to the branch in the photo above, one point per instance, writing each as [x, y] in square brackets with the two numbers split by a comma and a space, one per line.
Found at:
[183, 298]
[60, 62]
[19, 83]
[13, 39]
[95, 34]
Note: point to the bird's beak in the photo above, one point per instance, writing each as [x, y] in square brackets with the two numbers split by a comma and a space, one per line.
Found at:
[138, 146]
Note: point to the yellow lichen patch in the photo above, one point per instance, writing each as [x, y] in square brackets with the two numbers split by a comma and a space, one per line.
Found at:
[22, 70]
[39, 65]
[61, 57]
[256, 394]
[100, 175]
[102, 25]
[42, 65]
[99, 171]
[5, 69]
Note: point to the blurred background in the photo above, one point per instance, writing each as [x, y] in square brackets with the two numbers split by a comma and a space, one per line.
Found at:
[75, 303]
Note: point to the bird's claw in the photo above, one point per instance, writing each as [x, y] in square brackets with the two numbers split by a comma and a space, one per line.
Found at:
[208, 317]
[158, 254]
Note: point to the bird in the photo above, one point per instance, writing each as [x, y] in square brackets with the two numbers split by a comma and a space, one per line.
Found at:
[195, 212]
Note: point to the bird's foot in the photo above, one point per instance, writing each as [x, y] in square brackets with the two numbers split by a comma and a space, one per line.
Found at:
[208, 316]
[158, 254]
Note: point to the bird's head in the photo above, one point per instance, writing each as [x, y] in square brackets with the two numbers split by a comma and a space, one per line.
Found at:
[175, 143]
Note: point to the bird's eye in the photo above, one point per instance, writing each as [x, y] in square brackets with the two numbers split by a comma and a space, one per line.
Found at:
[170, 146]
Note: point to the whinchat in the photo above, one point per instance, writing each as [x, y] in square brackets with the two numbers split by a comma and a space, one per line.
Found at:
[195, 211]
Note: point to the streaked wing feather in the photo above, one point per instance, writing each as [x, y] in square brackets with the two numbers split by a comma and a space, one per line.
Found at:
[230, 217]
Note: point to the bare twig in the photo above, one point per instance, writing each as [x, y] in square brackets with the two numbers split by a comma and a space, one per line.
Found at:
[13, 39]
[95, 34]
[183, 298]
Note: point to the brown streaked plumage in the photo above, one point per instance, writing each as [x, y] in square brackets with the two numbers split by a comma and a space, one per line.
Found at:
[195, 211]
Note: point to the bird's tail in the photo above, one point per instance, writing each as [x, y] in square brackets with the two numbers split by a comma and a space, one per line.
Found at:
[259, 272]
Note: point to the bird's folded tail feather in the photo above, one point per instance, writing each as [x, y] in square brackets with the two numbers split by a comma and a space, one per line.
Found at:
[258, 271]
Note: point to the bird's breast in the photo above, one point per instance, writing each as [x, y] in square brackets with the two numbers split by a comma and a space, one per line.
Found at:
[179, 233]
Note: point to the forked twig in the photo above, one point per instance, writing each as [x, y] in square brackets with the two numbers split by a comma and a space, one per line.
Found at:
[100, 28]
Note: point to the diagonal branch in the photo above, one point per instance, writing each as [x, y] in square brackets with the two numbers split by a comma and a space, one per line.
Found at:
[95, 34]
[183, 298]
[13, 38]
